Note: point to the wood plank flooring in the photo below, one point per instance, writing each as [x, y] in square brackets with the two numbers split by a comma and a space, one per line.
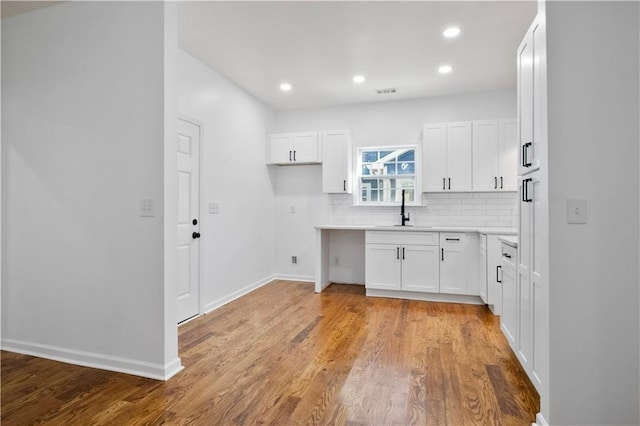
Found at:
[284, 355]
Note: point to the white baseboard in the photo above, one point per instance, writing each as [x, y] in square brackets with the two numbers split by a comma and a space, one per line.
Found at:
[94, 360]
[540, 421]
[428, 297]
[287, 277]
[236, 294]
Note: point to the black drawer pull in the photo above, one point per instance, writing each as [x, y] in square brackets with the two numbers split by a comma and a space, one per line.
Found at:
[508, 256]
[452, 239]
[444, 184]
[442, 254]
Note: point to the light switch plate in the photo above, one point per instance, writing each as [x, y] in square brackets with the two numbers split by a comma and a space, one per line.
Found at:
[147, 208]
[577, 210]
[213, 208]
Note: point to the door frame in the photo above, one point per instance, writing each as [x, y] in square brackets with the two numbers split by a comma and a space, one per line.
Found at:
[200, 125]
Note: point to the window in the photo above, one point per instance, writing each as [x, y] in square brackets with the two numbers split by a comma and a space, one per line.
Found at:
[384, 172]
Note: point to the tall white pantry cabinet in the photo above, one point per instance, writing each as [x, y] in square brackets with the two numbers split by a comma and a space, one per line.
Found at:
[531, 344]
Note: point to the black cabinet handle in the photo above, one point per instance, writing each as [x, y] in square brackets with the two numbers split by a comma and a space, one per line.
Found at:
[289, 155]
[444, 184]
[452, 239]
[495, 182]
[195, 235]
[498, 268]
[501, 182]
[398, 253]
[525, 150]
[508, 256]
[344, 185]
[294, 156]
[442, 254]
[525, 190]
[402, 253]
[449, 183]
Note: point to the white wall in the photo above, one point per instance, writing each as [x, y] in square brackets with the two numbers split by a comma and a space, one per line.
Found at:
[82, 133]
[237, 243]
[384, 123]
[593, 153]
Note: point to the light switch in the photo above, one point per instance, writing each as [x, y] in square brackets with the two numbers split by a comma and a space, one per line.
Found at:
[213, 208]
[146, 208]
[576, 210]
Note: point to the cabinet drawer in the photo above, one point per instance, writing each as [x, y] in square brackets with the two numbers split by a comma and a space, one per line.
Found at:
[509, 256]
[402, 237]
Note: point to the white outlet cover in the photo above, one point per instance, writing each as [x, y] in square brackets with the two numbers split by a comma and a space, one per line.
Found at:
[213, 208]
[147, 208]
[577, 210]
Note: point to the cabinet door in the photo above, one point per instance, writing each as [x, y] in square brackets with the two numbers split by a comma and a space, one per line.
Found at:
[485, 156]
[508, 155]
[281, 148]
[494, 273]
[509, 319]
[382, 266]
[336, 162]
[525, 104]
[483, 276]
[305, 147]
[459, 157]
[434, 157]
[420, 268]
[453, 262]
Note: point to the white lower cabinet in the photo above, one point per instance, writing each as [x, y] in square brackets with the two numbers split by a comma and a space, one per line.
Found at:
[406, 261]
[509, 322]
[459, 263]
[494, 274]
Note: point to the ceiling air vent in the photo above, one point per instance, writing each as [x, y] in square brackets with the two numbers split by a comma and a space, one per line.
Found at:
[389, 91]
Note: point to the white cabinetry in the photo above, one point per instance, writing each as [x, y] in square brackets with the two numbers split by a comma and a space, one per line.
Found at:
[459, 263]
[531, 63]
[509, 322]
[405, 261]
[294, 148]
[446, 157]
[336, 161]
[483, 269]
[494, 155]
[494, 274]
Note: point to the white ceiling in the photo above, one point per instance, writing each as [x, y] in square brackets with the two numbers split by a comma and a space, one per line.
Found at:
[318, 46]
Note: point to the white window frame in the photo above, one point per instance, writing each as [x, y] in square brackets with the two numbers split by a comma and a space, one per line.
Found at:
[357, 194]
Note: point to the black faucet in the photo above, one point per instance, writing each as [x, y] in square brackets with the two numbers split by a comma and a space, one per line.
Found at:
[404, 218]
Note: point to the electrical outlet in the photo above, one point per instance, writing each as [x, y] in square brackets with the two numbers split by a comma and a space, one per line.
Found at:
[576, 210]
[146, 208]
[336, 261]
[294, 260]
[293, 209]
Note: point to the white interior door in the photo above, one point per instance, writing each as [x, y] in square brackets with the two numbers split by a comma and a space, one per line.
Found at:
[188, 157]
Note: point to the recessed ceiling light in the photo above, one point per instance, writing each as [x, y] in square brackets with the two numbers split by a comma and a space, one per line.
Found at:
[451, 32]
[358, 79]
[445, 69]
[285, 87]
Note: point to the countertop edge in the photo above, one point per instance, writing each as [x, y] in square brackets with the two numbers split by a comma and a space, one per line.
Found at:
[478, 229]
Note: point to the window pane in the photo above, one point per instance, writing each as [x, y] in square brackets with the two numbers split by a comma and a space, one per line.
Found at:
[390, 168]
[384, 154]
[407, 156]
[369, 156]
[406, 168]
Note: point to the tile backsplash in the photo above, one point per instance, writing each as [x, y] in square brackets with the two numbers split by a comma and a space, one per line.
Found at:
[454, 209]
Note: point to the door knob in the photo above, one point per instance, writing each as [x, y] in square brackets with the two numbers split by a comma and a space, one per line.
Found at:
[195, 235]
[195, 222]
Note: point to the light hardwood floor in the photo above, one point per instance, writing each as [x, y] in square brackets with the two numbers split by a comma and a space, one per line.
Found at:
[284, 355]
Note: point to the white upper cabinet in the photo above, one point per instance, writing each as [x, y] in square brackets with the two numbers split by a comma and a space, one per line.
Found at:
[294, 148]
[446, 157]
[494, 155]
[336, 162]
[531, 102]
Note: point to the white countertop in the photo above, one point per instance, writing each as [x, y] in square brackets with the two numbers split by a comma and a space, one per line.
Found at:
[510, 240]
[480, 230]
